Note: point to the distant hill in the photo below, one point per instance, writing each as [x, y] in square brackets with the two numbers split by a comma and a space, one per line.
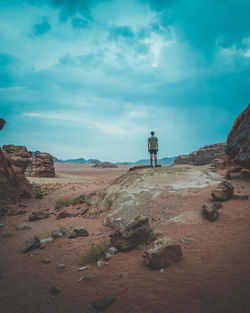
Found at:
[162, 161]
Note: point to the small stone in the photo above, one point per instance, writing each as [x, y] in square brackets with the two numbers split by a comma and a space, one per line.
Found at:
[47, 240]
[103, 302]
[56, 234]
[31, 244]
[82, 268]
[61, 267]
[46, 260]
[112, 250]
[107, 257]
[54, 290]
[99, 263]
[1, 226]
[84, 277]
[99, 234]
[161, 270]
[210, 212]
[22, 227]
[120, 276]
[38, 215]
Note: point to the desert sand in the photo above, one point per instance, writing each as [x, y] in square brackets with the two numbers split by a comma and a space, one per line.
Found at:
[212, 277]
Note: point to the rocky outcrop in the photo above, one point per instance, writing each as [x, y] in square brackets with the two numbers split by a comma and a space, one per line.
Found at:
[210, 211]
[41, 165]
[203, 156]
[238, 141]
[164, 253]
[2, 122]
[13, 184]
[134, 234]
[104, 165]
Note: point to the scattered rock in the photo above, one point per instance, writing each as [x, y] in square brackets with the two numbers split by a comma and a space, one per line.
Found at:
[1, 226]
[103, 302]
[31, 244]
[100, 263]
[137, 232]
[84, 211]
[164, 253]
[61, 267]
[54, 290]
[107, 257]
[60, 207]
[64, 214]
[84, 277]
[22, 227]
[3, 211]
[38, 215]
[82, 268]
[17, 212]
[46, 240]
[210, 211]
[184, 240]
[56, 233]
[112, 250]
[45, 260]
[78, 231]
[224, 191]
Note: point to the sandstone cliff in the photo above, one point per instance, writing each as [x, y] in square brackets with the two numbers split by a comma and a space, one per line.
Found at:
[238, 141]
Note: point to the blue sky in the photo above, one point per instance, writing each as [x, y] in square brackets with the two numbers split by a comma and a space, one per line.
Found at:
[92, 78]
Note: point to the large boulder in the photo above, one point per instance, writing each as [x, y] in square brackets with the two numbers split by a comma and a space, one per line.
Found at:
[134, 234]
[203, 156]
[210, 211]
[13, 184]
[224, 191]
[165, 252]
[20, 156]
[238, 141]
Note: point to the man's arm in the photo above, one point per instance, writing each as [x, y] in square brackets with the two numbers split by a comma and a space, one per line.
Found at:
[157, 144]
[148, 145]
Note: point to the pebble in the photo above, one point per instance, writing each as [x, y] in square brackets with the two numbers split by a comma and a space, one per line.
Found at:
[46, 260]
[104, 302]
[61, 267]
[161, 270]
[100, 263]
[54, 290]
[112, 250]
[82, 268]
[84, 277]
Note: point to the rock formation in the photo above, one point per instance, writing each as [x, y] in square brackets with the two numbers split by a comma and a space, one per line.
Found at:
[238, 141]
[41, 165]
[13, 183]
[204, 155]
[104, 165]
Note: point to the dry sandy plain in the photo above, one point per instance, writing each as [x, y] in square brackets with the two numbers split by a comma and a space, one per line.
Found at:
[212, 277]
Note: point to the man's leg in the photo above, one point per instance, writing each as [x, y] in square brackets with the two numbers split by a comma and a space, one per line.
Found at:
[155, 159]
[151, 159]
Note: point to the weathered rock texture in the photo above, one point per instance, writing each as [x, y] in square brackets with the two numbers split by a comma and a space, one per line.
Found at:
[137, 192]
[39, 215]
[238, 141]
[41, 165]
[203, 156]
[13, 183]
[164, 253]
[104, 165]
[134, 234]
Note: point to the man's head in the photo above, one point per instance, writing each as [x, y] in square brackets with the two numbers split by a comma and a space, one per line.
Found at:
[152, 133]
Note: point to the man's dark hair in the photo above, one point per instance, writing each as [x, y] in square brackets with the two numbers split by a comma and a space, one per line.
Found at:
[152, 133]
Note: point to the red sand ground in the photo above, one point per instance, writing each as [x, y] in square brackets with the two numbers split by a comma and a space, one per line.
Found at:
[212, 277]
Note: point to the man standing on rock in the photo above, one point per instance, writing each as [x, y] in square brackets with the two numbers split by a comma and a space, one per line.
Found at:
[153, 148]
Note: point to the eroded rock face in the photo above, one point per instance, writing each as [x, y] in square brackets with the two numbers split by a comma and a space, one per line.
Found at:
[224, 191]
[134, 234]
[204, 156]
[238, 141]
[164, 253]
[13, 184]
[104, 165]
[41, 165]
